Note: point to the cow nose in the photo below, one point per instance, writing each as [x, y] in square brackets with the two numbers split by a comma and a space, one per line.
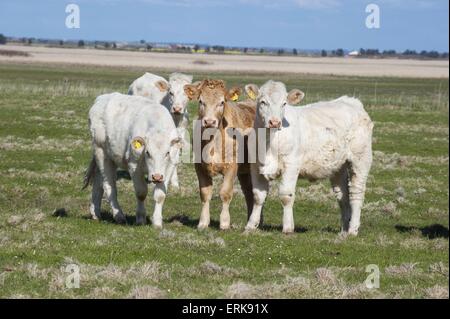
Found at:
[157, 178]
[274, 123]
[209, 123]
[177, 109]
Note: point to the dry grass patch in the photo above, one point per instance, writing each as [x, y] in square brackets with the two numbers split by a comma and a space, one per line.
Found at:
[147, 292]
[439, 268]
[402, 270]
[436, 292]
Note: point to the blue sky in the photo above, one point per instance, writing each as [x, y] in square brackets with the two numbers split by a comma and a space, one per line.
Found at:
[303, 24]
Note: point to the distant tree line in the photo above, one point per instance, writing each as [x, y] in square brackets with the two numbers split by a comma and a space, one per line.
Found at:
[220, 49]
[2, 39]
[407, 53]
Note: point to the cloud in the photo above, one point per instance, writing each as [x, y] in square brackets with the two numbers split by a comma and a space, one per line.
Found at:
[188, 3]
[304, 4]
[317, 4]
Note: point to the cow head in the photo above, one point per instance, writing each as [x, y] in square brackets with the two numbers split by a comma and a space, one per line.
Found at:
[158, 91]
[178, 99]
[271, 100]
[156, 151]
[212, 97]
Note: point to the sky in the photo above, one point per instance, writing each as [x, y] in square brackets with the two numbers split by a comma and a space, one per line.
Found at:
[302, 24]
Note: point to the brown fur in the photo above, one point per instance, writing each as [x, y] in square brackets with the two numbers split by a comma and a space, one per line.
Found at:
[239, 116]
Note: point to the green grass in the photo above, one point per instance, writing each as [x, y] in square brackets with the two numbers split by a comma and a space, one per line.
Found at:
[45, 147]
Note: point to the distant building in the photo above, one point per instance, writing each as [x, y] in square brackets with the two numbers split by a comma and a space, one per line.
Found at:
[354, 53]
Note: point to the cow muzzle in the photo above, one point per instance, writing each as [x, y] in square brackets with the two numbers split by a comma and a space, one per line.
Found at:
[209, 123]
[177, 110]
[157, 178]
[274, 123]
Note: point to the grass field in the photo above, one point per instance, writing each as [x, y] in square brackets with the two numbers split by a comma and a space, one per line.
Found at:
[44, 225]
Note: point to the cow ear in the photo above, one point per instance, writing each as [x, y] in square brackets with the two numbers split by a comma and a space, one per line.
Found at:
[192, 91]
[252, 91]
[234, 94]
[137, 146]
[162, 86]
[295, 97]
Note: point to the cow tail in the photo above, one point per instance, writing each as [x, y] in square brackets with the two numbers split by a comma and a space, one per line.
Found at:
[90, 173]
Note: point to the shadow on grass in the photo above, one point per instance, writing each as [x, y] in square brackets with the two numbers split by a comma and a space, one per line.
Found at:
[107, 217]
[331, 230]
[191, 222]
[431, 232]
[279, 228]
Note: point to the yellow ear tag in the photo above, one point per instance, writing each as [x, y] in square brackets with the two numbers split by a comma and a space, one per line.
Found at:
[251, 95]
[137, 144]
[235, 97]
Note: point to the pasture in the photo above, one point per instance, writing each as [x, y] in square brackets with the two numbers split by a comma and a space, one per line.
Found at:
[44, 224]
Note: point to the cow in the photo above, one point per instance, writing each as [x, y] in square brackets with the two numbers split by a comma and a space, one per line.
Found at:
[222, 120]
[323, 140]
[138, 135]
[171, 94]
[151, 86]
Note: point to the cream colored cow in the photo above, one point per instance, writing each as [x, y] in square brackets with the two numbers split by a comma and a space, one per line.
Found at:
[323, 140]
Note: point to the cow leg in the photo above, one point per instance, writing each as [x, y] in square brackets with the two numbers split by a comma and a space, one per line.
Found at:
[359, 172]
[226, 195]
[246, 185]
[159, 196]
[141, 190]
[108, 171]
[97, 195]
[260, 189]
[174, 179]
[205, 185]
[339, 182]
[287, 195]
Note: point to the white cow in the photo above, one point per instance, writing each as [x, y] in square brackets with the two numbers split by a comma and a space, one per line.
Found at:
[151, 86]
[322, 140]
[172, 95]
[135, 134]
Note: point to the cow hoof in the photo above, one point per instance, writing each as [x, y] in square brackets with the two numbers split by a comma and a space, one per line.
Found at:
[140, 222]
[120, 219]
[202, 227]
[353, 233]
[288, 231]
[250, 229]
[225, 227]
[157, 226]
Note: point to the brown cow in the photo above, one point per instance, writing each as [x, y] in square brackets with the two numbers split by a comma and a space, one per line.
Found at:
[219, 115]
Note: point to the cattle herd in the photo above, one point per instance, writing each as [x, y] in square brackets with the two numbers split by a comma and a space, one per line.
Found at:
[257, 139]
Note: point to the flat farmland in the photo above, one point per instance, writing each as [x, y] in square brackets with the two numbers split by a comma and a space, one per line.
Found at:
[253, 64]
[45, 225]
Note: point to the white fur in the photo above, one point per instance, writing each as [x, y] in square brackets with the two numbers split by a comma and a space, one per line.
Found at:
[323, 140]
[115, 120]
[146, 86]
[175, 97]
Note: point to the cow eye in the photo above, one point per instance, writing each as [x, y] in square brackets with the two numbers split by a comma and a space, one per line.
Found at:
[262, 103]
[222, 103]
[284, 104]
[148, 154]
[171, 94]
